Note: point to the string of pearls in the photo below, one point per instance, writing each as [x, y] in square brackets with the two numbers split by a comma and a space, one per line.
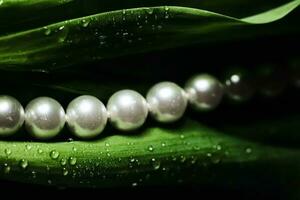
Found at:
[126, 110]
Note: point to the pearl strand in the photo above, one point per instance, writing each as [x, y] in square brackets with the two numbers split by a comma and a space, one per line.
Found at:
[126, 110]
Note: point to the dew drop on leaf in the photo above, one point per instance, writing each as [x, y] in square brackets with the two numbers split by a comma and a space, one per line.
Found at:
[155, 164]
[23, 163]
[248, 150]
[47, 31]
[134, 184]
[28, 147]
[63, 161]
[65, 172]
[54, 154]
[85, 23]
[40, 151]
[150, 148]
[33, 174]
[72, 160]
[182, 158]
[219, 147]
[61, 28]
[193, 160]
[7, 152]
[6, 168]
[149, 11]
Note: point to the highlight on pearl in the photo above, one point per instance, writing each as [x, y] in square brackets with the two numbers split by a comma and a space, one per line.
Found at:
[86, 116]
[11, 115]
[167, 102]
[45, 118]
[127, 110]
[204, 92]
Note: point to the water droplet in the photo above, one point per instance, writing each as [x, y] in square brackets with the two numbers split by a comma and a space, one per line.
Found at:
[74, 149]
[63, 161]
[49, 182]
[108, 154]
[167, 8]
[208, 154]
[54, 154]
[47, 31]
[182, 136]
[6, 168]
[72, 161]
[163, 144]
[196, 148]
[40, 151]
[194, 160]
[7, 152]
[61, 28]
[216, 160]
[28, 147]
[155, 164]
[124, 15]
[132, 160]
[70, 139]
[65, 172]
[182, 158]
[150, 148]
[219, 147]
[174, 158]
[134, 184]
[107, 144]
[85, 23]
[23, 163]
[248, 150]
[149, 11]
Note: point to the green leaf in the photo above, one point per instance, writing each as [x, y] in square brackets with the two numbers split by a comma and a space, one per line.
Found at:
[123, 32]
[24, 14]
[185, 153]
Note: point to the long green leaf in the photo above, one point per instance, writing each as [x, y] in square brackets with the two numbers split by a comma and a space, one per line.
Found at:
[22, 14]
[188, 153]
[118, 33]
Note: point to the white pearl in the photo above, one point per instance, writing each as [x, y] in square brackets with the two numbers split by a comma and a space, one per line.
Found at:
[11, 115]
[86, 116]
[204, 92]
[167, 102]
[127, 109]
[45, 118]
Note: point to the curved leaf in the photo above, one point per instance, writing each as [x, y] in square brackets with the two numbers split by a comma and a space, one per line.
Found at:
[122, 32]
[34, 13]
[186, 153]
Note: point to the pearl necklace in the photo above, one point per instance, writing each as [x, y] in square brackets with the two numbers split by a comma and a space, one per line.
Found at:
[126, 110]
